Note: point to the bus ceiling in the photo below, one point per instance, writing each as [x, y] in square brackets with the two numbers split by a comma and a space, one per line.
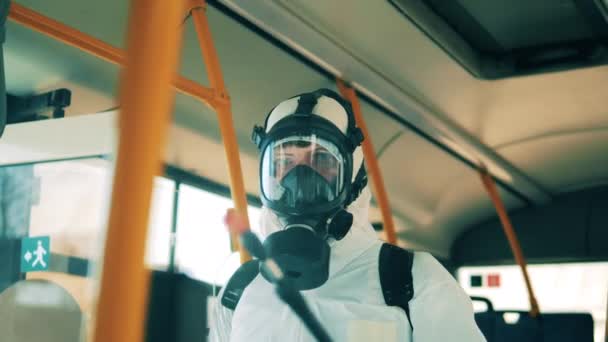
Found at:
[497, 39]
[428, 121]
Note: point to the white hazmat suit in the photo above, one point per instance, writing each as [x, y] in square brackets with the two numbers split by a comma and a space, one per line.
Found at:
[350, 304]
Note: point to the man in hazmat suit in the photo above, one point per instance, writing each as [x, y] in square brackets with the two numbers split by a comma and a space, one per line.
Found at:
[315, 226]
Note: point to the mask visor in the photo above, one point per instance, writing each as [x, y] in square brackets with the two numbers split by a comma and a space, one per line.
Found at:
[300, 171]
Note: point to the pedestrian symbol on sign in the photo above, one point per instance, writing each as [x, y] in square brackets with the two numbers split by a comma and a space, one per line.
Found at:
[40, 252]
[36, 253]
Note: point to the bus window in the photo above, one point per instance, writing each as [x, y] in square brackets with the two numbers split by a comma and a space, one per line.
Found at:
[63, 205]
[159, 229]
[202, 242]
[571, 287]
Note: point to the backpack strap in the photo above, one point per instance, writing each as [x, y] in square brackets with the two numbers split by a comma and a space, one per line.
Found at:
[395, 268]
[243, 276]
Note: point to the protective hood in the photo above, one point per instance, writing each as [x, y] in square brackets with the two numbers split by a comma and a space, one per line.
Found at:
[316, 130]
[360, 237]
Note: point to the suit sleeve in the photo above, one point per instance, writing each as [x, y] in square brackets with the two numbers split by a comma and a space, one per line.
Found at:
[440, 309]
[220, 322]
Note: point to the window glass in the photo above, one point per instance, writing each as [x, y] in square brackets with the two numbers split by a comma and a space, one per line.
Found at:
[572, 287]
[203, 248]
[158, 249]
[202, 242]
[53, 220]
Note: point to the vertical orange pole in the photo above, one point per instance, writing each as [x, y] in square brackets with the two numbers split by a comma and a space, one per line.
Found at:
[146, 98]
[372, 163]
[222, 106]
[490, 186]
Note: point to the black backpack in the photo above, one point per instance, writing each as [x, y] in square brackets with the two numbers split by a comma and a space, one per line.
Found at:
[395, 269]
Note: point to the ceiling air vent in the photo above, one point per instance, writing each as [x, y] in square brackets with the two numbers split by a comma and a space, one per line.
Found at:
[503, 38]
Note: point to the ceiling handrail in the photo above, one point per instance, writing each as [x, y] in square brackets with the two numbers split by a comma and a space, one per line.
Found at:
[490, 186]
[371, 162]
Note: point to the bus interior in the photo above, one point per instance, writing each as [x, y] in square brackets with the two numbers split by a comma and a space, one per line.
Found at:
[486, 117]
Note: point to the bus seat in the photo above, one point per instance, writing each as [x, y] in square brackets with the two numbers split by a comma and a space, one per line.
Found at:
[177, 309]
[39, 310]
[568, 327]
[499, 326]
[485, 319]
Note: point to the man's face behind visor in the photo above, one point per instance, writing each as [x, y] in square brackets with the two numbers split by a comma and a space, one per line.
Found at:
[290, 154]
[302, 170]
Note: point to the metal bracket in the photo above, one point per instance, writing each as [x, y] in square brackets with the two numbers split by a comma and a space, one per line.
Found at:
[36, 107]
[220, 97]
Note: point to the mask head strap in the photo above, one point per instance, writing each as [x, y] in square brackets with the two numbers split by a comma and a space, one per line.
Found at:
[358, 185]
[306, 103]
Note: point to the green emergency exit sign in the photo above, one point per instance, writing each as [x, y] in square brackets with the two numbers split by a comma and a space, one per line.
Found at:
[35, 253]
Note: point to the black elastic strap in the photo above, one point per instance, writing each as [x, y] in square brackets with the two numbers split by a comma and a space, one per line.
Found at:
[395, 268]
[358, 185]
[306, 103]
[238, 282]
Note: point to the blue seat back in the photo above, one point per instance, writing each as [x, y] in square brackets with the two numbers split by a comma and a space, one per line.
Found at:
[547, 327]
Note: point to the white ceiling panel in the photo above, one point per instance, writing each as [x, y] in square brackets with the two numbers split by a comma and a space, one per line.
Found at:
[564, 162]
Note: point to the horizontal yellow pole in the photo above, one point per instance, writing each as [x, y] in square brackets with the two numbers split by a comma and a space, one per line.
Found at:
[80, 40]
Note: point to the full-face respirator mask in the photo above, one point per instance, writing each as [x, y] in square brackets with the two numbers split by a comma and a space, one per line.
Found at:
[306, 179]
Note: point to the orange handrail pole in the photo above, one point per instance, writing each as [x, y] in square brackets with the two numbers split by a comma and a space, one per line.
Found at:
[223, 108]
[146, 98]
[70, 36]
[492, 190]
[372, 163]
